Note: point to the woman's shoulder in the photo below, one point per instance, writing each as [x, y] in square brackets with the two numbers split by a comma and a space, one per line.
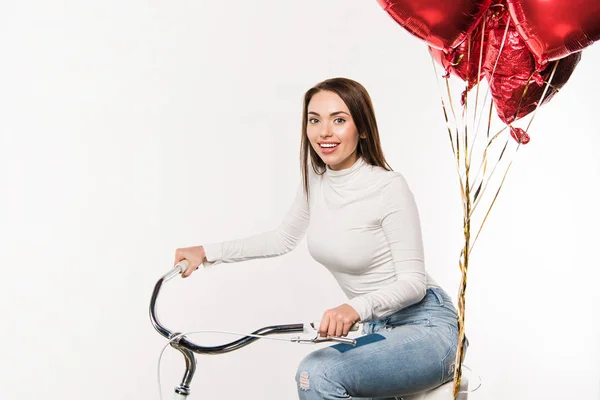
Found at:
[394, 190]
[389, 178]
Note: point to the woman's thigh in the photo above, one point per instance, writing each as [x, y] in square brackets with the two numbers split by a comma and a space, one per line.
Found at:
[394, 361]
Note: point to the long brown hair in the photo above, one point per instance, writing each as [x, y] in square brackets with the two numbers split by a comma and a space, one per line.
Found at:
[358, 101]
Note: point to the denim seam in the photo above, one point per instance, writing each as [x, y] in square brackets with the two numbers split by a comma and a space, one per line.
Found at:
[428, 319]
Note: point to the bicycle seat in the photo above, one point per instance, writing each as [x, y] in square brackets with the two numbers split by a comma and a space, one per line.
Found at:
[443, 392]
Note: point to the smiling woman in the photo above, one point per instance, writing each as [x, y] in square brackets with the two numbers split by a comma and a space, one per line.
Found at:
[332, 134]
[362, 224]
[340, 112]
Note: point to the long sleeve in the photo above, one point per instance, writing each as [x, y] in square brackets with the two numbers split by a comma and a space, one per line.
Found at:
[267, 244]
[402, 229]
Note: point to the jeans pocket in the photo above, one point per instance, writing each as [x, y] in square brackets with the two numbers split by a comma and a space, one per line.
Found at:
[437, 295]
[447, 365]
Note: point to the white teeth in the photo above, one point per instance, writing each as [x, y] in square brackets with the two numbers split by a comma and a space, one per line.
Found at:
[328, 145]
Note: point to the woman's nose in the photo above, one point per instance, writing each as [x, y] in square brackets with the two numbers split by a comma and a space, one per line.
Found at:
[325, 131]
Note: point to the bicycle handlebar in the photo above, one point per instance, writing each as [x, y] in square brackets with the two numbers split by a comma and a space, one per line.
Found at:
[236, 344]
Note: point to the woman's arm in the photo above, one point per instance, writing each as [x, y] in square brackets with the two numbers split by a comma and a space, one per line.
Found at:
[402, 228]
[268, 244]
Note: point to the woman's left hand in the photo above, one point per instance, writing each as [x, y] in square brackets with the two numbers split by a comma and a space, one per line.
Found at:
[338, 321]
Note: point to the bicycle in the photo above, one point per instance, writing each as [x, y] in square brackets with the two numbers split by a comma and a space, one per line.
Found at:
[188, 349]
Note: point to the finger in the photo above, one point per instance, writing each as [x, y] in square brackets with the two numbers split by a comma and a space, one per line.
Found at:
[339, 328]
[324, 325]
[188, 271]
[184, 264]
[178, 256]
[332, 327]
[347, 327]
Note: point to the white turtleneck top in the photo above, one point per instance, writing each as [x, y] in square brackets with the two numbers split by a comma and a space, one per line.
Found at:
[363, 225]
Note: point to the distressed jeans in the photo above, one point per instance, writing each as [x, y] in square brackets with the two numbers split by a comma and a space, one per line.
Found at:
[410, 351]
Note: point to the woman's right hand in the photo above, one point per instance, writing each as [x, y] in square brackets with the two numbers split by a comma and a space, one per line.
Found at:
[194, 255]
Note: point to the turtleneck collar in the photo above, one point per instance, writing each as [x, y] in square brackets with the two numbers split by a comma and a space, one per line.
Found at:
[346, 174]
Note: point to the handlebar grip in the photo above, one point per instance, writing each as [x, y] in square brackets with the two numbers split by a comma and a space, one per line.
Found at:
[179, 268]
[182, 266]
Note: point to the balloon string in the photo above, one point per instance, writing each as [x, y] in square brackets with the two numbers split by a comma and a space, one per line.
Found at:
[464, 260]
[539, 103]
[517, 149]
[483, 184]
[469, 201]
[484, 162]
[465, 113]
[487, 181]
[455, 121]
[493, 201]
[465, 253]
[465, 198]
[463, 265]
[483, 177]
[487, 92]
[515, 116]
[479, 68]
[455, 150]
[543, 95]
[475, 113]
[501, 46]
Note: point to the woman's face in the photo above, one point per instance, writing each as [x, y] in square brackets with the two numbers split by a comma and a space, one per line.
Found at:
[331, 130]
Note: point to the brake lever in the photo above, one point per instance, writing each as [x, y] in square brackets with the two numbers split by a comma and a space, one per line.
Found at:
[315, 338]
[319, 339]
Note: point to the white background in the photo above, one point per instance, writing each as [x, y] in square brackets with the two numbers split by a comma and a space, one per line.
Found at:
[130, 128]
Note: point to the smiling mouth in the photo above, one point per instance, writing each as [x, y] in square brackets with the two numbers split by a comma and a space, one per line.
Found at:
[328, 145]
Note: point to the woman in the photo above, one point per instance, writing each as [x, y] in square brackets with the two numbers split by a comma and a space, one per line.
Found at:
[361, 223]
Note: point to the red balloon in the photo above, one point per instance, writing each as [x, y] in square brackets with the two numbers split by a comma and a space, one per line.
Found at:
[462, 62]
[516, 83]
[554, 29]
[443, 24]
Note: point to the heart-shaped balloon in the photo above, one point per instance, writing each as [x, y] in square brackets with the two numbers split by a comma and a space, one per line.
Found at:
[515, 82]
[442, 24]
[554, 29]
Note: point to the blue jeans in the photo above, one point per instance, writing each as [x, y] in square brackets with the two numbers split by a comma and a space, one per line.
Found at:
[411, 351]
